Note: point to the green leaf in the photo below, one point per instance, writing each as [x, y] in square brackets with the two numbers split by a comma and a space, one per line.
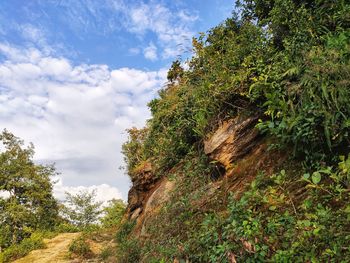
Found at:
[316, 177]
[306, 176]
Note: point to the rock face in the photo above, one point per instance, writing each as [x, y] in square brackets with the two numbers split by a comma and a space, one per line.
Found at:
[233, 140]
[236, 145]
[142, 182]
[157, 199]
[146, 196]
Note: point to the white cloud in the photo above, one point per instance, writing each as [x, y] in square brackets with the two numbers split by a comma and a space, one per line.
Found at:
[150, 52]
[75, 115]
[104, 192]
[134, 51]
[171, 28]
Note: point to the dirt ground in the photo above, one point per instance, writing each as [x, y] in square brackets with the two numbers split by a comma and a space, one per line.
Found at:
[55, 252]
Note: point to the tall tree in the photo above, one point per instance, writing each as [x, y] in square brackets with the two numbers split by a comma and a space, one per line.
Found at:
[81, 209]
[29, 204]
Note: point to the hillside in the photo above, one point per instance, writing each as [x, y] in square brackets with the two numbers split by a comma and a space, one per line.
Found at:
[245, 158]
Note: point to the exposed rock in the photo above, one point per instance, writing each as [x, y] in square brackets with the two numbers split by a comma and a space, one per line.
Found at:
[233, 140]
[135, 214]
[160, 195]
[158, 198]
[143, 181]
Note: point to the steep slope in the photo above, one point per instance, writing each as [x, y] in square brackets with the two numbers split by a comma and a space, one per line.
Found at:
[246, 157]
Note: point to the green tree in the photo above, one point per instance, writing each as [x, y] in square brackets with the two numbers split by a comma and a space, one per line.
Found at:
[113, 213]
[81, 209]
[29, 204]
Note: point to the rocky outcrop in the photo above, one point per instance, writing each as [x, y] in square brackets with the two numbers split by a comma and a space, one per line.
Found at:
[147, 195]
[236, 146]
[155, 202]
[233, 140]
[143, 181]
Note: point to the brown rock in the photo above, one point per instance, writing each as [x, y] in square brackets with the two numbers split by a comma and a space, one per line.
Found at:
[157, 199]
[143, 181]
[233, 140]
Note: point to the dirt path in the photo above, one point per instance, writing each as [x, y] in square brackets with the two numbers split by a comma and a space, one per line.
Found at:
[55, 251]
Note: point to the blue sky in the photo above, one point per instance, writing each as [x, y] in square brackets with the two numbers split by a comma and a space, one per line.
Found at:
[74, 74]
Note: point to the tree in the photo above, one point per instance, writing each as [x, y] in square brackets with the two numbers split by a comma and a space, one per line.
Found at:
[113, 213]
[29, 204]
[81, 209]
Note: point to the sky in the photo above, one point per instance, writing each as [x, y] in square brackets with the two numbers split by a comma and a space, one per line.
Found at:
[75, 74]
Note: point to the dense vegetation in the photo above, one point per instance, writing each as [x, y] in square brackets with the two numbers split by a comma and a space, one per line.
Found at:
[287, 61]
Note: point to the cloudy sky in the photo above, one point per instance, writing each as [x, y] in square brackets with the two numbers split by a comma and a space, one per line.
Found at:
[74, 74]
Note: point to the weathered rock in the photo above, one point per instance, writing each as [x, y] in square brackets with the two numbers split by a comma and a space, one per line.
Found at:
[143, 180]
[157, 199]
[233, 140]
[136, 213]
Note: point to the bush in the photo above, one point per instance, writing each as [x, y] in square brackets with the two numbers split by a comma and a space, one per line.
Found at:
[80, 248]
[267, 225]
[113, 213]
[128, 248]
[67, 228]
[129, 251]
[35, 241]
[124, 230]
[106, 253]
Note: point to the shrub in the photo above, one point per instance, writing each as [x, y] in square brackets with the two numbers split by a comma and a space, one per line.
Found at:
[266, 224]
[128, 248]
[67, 228]
[106, 253]
[35, 241]
[80, 248]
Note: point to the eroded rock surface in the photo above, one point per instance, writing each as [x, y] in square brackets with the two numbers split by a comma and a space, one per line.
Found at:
[233, 140]
[158, 198]
[143, 181]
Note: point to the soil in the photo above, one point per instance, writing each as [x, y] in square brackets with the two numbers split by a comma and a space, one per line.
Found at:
[55, 252]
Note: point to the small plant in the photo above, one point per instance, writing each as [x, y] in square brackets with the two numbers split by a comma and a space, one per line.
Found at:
[80, 248]
[106, 253]
[124, 230]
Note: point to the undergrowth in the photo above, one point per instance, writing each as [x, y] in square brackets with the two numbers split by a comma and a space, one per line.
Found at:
[35, 241]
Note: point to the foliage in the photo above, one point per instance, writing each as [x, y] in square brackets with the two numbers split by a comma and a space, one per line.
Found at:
[80, 248]
[288, 60]
[266, 224]
[113, 213]
[82, 210]
[183, 112]
[303, 86]
[30, 204]
[15, 251]
[133, 149]
[128, 247]
[106, 253]
[124, 230]
[65, 227]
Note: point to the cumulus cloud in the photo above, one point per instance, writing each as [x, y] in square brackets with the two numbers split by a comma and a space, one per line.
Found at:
[150, 52]
[104, 192]
[76, 115]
